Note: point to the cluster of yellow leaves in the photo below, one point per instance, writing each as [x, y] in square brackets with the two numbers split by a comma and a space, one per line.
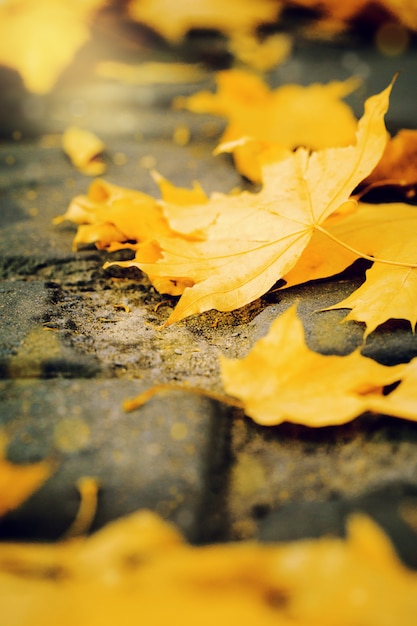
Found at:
[225, 251]
[139, 570]
[237, 16]
[39, 39]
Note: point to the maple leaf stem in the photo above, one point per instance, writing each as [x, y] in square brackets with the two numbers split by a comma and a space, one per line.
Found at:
[362, 254]
[144, 397]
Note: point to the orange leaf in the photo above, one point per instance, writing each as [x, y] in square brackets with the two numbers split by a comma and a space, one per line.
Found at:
[18, 482]
[398, 165]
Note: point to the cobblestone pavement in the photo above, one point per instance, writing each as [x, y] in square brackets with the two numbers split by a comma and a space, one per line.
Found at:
[76, 340]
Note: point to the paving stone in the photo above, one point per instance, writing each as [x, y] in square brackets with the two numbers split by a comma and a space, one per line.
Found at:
[291, 465]
[393, 508]
[326, 332]
[29, 348]
[169, 456]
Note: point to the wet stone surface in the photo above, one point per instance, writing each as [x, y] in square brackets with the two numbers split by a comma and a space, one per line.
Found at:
[75, 341]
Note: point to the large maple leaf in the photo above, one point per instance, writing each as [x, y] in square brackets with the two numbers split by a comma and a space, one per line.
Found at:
[281, 379]
[253, 240]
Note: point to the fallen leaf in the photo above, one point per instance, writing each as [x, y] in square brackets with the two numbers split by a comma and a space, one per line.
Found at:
[314, 117]
[84, 149]
[113, 218]
[18, 482]
[234, 16]
[139, 570]
[39, 39]
[282, 380]
[261, 55]
[112, 214]
[398, 165]
[253, 240]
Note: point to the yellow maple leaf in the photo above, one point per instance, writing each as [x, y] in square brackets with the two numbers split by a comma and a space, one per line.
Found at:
[231, 17]
[282, 380]
[253, 240]
[83, 149]
[39, 39]
[18, 482]
[111, 215]
[120, 574]
[261, 55]
[314, 117]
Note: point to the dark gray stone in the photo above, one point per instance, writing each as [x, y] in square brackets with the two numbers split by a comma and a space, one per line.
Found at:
[169, 456]
[294, 465]
[387, 507]
[327, 332]
[321, 62]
